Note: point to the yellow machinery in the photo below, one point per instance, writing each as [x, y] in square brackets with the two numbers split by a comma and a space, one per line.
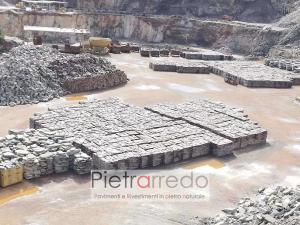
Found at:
[20, 5]
[99, 42]
[97, 45]
[11, 176]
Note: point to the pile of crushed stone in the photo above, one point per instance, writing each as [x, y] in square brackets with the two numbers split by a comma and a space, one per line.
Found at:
[31, 74]
[273, 205]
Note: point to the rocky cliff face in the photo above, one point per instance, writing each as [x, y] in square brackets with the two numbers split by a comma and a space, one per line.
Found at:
[239, 37]
[150, 21]
[245, 10]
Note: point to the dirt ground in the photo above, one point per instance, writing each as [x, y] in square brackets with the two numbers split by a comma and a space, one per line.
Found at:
[65, 199]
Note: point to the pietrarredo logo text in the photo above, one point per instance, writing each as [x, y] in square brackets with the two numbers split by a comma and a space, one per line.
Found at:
[149, 185]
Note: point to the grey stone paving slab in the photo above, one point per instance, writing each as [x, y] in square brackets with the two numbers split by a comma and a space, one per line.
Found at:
[110, 134]
[178, 65]
[253, 74]
[218, 118]
[205, 55]
[118, 135]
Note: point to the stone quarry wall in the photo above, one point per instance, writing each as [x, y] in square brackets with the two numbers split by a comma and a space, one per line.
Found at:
[240, 38]
[246, 10]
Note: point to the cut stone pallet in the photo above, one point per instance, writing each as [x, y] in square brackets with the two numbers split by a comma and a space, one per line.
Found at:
[217, 118]
[205, 55]
[110, 134]
[253, 74]
[179, 66]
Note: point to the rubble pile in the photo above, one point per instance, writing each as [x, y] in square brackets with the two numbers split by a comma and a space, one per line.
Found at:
[42, 152]
[273, 205]
[253, 74]
[179, 66]
[8, 43]
[290, 65]
[32, 74]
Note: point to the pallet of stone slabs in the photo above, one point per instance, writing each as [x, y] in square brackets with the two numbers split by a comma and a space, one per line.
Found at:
[134, 48]
[295, 79]
[164, 53]
[248, 132]
[265, 83]
[192, 68]
[125, 48]
[204, 56]
[163, 66]
[100, 82]
[160, 157]
[251, 83]
[145, 52]
[175, 53]
[179, 67]
[149, 52]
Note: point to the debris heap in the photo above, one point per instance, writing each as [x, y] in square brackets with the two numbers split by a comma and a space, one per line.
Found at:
[273, 205]
[32, 74]
[42, 152]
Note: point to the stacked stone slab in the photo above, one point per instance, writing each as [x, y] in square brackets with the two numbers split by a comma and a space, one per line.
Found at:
[205, 55]
[218, 118]
[147, 52]
[179, 66]
[121, 136]
[253, 74]
[117, 139]
[285, 64]
[110, 134]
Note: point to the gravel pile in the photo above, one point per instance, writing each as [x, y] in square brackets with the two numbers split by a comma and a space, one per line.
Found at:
[32, 74]
[274, 205]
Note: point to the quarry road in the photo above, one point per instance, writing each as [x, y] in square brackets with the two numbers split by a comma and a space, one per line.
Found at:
[65, 198]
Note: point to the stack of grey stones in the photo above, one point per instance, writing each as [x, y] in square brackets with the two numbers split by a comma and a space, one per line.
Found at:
[121, 136]
[147, 52]
[32, 74]
[271, 206]
[218, 118]
[42, 152]
[205, 55]
[284, 64]
[110, 134]
[253, 74]
[179, 66]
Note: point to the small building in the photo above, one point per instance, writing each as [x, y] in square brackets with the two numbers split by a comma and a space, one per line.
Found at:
[56, 35]
[44, 5]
